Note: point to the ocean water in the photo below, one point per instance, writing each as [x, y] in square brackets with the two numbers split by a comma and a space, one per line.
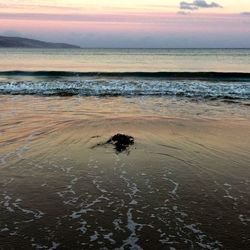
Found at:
[184, 184]
[192, 73]
[126, 60]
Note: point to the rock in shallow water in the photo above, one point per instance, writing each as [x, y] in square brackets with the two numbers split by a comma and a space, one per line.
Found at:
[121, 142]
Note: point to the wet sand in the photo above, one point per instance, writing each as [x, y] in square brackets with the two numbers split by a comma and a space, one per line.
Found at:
[184, 184]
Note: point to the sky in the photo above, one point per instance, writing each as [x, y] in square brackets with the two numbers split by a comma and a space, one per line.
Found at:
[130, 23]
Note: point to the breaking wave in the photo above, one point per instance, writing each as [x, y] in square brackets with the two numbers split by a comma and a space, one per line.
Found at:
[128, 87]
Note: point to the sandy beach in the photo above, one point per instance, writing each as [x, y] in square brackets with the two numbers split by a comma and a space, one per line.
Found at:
[184, 184]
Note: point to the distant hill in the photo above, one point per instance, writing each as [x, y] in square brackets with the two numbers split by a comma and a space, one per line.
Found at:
[19, 42]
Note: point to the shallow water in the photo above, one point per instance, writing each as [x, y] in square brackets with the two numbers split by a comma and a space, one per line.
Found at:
[185, 184]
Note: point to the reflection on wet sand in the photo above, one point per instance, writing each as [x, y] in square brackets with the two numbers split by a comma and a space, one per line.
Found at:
[184, 184]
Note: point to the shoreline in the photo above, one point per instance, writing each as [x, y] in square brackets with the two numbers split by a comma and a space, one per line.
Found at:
[183, 184]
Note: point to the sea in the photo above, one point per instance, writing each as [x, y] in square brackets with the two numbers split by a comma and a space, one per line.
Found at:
[184, 183]
[191, 73]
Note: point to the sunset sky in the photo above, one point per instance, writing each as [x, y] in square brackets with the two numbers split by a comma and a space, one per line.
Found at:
[130, 23]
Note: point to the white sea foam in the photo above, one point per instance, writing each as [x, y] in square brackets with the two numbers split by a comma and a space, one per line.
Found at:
[244, 219]
[133, 227]
[176, 186]
[55, 245]
[125, 87]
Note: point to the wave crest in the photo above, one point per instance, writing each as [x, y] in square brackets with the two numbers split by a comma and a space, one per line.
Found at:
[122, 87]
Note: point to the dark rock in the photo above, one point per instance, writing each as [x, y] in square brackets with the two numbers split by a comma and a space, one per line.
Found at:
[121, 142]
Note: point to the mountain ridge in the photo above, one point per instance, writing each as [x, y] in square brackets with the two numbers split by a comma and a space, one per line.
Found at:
[21, 42]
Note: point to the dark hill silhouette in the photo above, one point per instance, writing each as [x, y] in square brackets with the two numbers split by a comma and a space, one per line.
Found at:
[19, 42]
